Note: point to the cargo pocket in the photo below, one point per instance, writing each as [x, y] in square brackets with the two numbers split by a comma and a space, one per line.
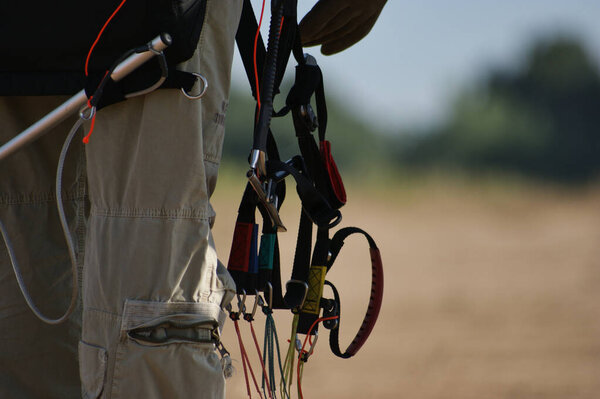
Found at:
[92, 370]
[167, 350]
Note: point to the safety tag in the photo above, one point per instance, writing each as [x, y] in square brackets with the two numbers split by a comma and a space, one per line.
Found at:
[316, 280]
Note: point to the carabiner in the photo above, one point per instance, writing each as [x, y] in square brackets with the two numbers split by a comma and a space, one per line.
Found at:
[202, 92]
[305, 354]
[257, 299]
[87, 113]
[269, 302]
[242, 302]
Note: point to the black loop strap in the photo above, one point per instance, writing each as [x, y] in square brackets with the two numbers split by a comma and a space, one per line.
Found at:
[375, 299]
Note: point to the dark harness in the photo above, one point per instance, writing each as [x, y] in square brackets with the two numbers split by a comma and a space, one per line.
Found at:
[38, 59]
[255, 263]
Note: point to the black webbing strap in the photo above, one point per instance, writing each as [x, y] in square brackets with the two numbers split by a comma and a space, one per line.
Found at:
[375, 299]
[319, 161]
[297, 286]
[103, 91]
[245, 41]
[268, 256]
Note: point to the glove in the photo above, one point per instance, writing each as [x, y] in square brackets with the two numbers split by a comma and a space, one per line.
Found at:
[338, 24]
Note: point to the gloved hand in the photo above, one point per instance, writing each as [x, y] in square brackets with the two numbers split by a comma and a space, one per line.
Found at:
[338, 24]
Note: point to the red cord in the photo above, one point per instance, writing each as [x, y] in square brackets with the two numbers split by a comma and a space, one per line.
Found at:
[262, 362]
[87, 60]
[302, 351]
[246, 360]
[255, 44]
[86, 139]
[243, 351]
[281, 26]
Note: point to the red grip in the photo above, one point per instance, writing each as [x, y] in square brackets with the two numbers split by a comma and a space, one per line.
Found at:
[335, 179]
[375, 302]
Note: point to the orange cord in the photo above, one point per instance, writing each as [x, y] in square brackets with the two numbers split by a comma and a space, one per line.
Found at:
[86, 139]
[302, 351]
[255, 66]
[87, 60]
[281, 26]
[246, 362]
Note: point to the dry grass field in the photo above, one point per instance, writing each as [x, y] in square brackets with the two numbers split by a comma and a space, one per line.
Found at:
[490, 292]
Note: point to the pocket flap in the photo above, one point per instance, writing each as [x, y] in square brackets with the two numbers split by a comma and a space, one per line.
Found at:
[92, 369]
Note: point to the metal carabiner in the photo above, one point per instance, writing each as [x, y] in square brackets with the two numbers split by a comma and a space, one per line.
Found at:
[269, 302]
[263, 197]
[91, 111]
[257, 299]
[241, 302]
[305, 354]
[202, 92]
[303, 286]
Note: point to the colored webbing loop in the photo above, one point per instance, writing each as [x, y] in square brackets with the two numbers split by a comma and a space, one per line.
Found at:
[375, 299]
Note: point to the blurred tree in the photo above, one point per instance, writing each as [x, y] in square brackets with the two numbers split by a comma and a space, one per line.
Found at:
[541, 120]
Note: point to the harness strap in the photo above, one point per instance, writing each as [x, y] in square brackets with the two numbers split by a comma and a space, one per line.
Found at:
[243, 258]
[375, 299]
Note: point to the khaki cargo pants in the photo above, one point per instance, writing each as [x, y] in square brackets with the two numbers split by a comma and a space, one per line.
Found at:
[153, 289]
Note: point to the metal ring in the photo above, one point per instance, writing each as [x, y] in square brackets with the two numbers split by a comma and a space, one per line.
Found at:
[202, 92]
[90, 115]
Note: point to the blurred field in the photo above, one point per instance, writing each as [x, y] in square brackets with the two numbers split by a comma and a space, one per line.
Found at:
[491, 292]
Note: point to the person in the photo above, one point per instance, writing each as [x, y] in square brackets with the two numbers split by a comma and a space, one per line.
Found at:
[137, 200]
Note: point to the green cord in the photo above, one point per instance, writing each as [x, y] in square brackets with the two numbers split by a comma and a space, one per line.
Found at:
[271, 342]
[288, 365]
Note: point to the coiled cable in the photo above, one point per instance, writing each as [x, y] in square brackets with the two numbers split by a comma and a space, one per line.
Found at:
[68, 239]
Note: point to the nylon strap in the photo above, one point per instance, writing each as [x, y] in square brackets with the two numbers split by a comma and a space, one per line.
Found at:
[375, 299]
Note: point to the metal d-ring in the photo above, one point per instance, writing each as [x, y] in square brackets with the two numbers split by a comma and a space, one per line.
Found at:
[89, 115]
[202, 92]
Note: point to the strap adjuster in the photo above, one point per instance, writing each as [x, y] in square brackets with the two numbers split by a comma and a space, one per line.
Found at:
[295, 294]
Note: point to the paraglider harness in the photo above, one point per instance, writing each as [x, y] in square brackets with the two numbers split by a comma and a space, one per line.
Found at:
[108, 79]
[255, 266]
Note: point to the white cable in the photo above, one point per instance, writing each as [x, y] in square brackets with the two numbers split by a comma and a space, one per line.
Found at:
[68, 238]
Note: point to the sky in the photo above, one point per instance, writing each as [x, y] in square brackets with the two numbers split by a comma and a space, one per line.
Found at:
[421, 53]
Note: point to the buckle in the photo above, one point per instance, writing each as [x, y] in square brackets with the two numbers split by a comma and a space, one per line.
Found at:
[295, 294]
